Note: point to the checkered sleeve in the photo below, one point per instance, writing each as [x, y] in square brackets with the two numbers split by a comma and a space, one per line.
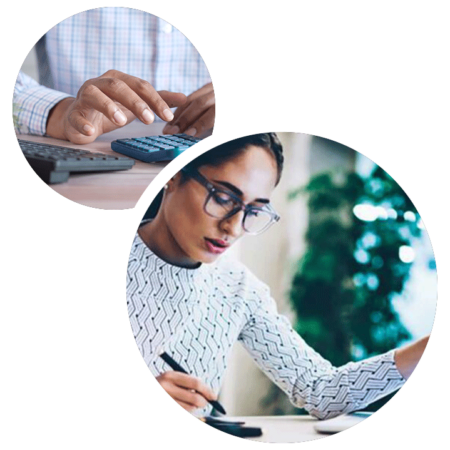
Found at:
[32, 104]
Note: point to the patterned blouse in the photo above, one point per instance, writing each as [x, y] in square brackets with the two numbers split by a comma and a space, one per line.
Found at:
[197, 315]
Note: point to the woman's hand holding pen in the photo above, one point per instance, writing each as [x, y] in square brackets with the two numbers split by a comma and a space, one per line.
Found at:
[190, 392]
[108, 102]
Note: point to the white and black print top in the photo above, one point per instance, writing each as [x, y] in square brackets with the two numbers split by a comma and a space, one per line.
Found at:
[196, 316]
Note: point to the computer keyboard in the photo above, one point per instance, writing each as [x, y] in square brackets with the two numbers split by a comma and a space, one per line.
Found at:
[54, 163]
[154, 148]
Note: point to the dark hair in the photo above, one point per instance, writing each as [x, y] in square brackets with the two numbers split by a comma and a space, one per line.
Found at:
[224, 152]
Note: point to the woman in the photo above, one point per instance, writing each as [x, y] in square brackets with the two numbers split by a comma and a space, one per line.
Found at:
[188, 300]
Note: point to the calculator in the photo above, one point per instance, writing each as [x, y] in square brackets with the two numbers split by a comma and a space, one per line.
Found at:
[154, 148]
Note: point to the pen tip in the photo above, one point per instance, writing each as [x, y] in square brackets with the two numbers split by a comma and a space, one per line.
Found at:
[219, 408]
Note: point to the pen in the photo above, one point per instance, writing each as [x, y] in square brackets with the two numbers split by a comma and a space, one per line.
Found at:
[213, 420]
[178, 368]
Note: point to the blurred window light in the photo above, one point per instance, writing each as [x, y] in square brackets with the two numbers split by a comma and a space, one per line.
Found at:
[369, 240]
[372, 282]
[358, 351]
[381, 213]
[365, 212]
[406, 254]
[377, 186]
[392, 213]
[370, 213]
[359, 279]
[409, 216]
[420, 224]
[361, 256]
[404, 232]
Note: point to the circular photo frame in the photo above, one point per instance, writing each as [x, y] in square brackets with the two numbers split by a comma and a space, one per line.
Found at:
[110, 213]
[309, 129]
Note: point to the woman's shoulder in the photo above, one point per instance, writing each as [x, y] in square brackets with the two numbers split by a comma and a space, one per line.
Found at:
[138, 246]
[142, 257]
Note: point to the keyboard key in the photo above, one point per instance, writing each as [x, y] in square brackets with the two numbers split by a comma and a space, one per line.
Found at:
[54, 163]
[154, 148]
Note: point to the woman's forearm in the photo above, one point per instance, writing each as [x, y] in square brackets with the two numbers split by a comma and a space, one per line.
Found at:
[406, 358]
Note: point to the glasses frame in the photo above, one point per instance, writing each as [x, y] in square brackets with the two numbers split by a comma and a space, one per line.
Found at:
[209, 186]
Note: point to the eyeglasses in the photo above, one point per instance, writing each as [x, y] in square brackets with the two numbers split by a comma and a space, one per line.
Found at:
[222, 204]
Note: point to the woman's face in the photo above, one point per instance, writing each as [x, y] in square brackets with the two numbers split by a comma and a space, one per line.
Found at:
[194, 235]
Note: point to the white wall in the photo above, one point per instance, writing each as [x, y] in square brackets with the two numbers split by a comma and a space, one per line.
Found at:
[267, 256]
[29, 65]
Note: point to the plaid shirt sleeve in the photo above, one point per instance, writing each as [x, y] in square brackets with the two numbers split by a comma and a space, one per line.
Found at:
[32, 104]
[88, 44]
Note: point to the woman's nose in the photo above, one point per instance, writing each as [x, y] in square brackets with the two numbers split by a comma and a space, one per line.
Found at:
[233, 225]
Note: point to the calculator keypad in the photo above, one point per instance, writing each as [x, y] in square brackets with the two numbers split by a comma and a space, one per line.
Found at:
[154, 148]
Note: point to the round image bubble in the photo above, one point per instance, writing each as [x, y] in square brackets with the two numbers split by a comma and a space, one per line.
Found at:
[294, 252]
[105, 100]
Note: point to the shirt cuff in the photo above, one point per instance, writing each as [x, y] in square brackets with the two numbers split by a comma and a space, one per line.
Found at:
[33, 108]
[390, 356]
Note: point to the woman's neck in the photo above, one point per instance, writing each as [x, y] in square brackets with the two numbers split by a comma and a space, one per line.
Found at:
[161, 242]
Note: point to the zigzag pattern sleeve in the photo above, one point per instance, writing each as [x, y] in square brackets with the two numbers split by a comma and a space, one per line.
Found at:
[310, 381]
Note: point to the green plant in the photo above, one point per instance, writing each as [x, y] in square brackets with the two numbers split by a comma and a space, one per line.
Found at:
[356, 262]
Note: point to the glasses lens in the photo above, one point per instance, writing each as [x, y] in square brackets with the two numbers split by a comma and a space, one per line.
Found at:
[220, 204]
[257, 220]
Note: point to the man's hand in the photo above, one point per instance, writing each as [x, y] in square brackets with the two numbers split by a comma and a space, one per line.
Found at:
[190, 392]
[196, 115]
[109, 102]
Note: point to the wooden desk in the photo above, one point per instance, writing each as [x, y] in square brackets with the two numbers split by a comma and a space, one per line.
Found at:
[110, 190]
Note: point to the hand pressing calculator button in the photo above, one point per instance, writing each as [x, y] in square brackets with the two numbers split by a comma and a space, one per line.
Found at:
[154, 148]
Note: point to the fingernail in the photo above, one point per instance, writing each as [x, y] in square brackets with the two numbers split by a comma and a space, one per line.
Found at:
[148, 116]
[167, 114]
[191, 132]
[88, 129]
[119, 117]
[171, 129]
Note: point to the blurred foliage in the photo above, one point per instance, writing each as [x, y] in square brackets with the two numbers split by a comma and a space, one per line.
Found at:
[344, 284]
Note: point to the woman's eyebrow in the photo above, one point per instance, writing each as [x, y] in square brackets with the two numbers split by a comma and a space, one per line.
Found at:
[238, 192]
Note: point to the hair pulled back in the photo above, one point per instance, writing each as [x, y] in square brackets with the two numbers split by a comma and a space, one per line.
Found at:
[223, 153]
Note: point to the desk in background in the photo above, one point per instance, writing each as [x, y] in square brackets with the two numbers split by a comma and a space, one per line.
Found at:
[297, 428]
[283, 428]
[110, 190]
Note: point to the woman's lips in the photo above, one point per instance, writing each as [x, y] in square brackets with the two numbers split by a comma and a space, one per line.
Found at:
[216, 246]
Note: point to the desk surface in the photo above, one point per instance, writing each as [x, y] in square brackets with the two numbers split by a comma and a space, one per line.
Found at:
[283, 428]
[110, 190]
[295, 428]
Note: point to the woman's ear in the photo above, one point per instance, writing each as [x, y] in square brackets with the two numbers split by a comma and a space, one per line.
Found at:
[173, 182]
